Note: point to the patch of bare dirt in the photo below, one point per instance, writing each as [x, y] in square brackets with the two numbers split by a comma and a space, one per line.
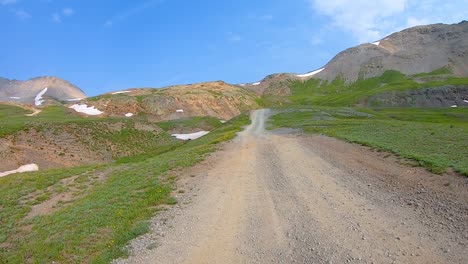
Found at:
[72, 188]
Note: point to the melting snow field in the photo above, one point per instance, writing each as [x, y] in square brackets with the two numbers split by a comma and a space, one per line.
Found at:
[192, 136]
[74, 100]
[129, 115]
[89, 110]
[38, 100]
[310, 73]
[24, 168]
[454, 106]
[466, 101]
[180, 111]
[121, 92]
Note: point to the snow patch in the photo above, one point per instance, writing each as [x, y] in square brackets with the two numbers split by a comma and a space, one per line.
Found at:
[192, 136]
[222, 121]
[310, 73]
[454, 106]
[377, 43]
[242, 84]
[35, 112]
[466, 101]
[38, 100]
[257, 83]
[15, 97]
[121, 92]
[24, 168]
[180, 111]
[89, 110]
[74, 100]
[129, 115]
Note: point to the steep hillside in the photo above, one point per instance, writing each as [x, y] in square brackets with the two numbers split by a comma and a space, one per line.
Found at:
[392, 88]
[215, 99]
[411, 51]
[38, 91]
[59, 138]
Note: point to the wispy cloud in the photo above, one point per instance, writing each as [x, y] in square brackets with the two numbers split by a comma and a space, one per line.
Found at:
[234, 37]
[371, 20]
[365, 19]
[316, 40]
[125, 14]
[266, 17]
[66, 12]
[56, 18]
[7, 2]
[21, 14]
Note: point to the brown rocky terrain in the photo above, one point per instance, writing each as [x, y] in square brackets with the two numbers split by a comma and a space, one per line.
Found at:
[275, 85]
[216, 99]
[52, 145]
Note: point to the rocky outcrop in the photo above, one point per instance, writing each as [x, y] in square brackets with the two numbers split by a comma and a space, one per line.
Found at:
[26, 92]
[411, 51]
[444, 96]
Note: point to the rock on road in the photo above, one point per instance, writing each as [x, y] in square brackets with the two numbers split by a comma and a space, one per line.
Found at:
[279, 198]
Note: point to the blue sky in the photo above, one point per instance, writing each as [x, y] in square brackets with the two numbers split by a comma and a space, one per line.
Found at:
[110, 45]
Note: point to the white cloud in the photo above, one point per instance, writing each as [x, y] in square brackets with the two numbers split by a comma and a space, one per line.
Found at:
[56, 18]
[363, 18]
[7, 2]
[68, 11]
[125, 14]
[21, 14]
[368, 20]
[412, 21]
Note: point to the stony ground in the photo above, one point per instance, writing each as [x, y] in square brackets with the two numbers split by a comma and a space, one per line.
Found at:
[283, 198]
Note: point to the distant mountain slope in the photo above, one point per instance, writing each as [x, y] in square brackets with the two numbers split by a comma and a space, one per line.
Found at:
[411, 51]
[420, 49]
[34, 91]
[216, 99]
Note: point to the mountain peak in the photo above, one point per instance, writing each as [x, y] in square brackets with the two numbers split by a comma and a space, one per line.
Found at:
[26, 92]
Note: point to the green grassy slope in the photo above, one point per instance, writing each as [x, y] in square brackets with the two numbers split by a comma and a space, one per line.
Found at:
[111, 204]
[436, 137]
[339, 93]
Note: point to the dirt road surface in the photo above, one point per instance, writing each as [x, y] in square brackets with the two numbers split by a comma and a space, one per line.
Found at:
[281, 198]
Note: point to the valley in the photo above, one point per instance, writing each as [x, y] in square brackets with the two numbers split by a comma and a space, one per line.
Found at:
[364, 160]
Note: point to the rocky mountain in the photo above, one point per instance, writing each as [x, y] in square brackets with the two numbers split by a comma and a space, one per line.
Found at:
[38, 90]
[411, 51]
[216, 99]
[415, 50]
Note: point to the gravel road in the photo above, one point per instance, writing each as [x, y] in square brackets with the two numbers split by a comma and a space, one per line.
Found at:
[283, 198]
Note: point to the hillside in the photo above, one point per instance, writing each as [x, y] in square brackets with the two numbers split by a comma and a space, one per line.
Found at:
[215, 99]
[108, 164]
[421, 49]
